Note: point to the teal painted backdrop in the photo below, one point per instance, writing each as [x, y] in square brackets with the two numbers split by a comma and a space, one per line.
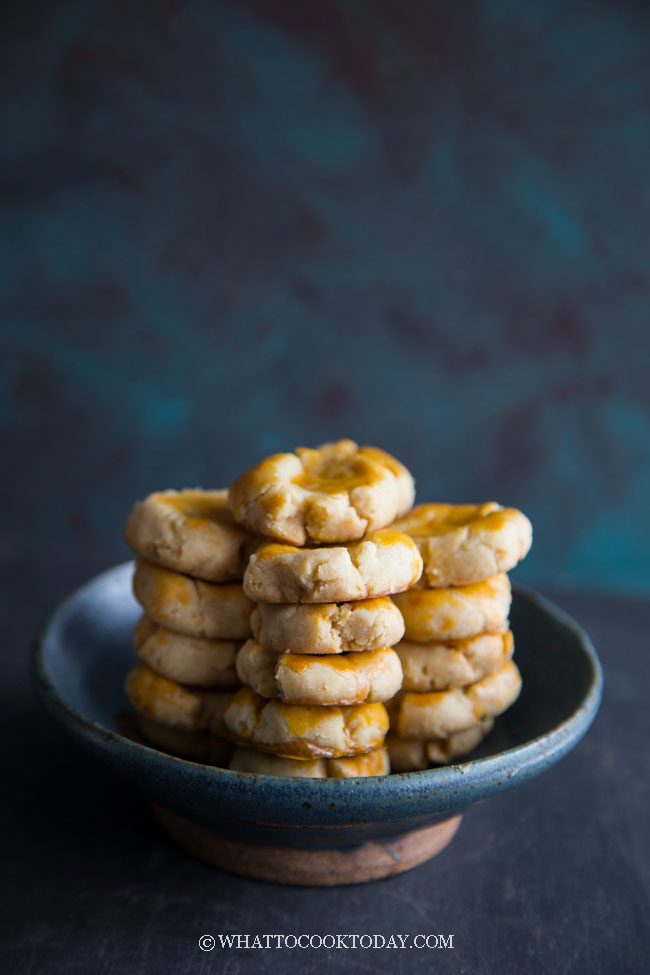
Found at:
[228, 229]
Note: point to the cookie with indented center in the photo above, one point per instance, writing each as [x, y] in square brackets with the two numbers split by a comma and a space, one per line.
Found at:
[322, 628]
[218, 611]
[465, 543]
[263, 763]
[442, 666]
[456, 613]
[175, 705]
[191, 531]
[439, 714]
[197, 746]
[298, 678]
[335, 493]
[412, 756]
[383, 562]
[186, 659]
[297, 731]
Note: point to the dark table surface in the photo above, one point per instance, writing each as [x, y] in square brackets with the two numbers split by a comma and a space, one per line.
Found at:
[554, 875]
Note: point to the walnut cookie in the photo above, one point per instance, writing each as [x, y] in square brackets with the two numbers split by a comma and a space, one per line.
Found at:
[335, 493]
[456, 613]
[443, 666]
[465, 543]
[186, 659]
[218, 611]
[171, 704]
[382, 563]
[296, 731]
[296, 678]
[411, 756]
[375, 762]
[322, 628]
[191, 531]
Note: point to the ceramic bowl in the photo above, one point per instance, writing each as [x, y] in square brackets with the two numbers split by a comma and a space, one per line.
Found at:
[310, 831]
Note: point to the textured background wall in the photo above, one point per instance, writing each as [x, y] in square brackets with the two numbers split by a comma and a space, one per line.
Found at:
[232, 228]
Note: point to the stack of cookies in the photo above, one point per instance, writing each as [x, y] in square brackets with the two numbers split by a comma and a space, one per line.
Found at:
[457, 652]
[320, 664]
[188, 580]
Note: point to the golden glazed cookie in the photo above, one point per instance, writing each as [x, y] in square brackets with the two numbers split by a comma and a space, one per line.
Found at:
[297, 678]
[336, 493]
[187, 659]
[434, 615]
[442, 666]
[440, 714]
[207, 609]
[191, 531]
[296, 731]
[172, 704]
[198, 746]
[381, 563]
[465, 543]
[412, 756]
[315, 628]
[375, 762]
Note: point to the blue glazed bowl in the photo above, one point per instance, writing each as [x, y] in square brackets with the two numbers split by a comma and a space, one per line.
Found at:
[85, 651]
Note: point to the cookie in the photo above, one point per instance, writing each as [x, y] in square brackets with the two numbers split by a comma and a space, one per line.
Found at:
[197, 746]
[375, 762]
[439, 714]
[432, 615]
[441, 666]
[319, 628]
[190, 531]
[297, 678]
[296, 731]
[465, 543]
[172, 704]
[381, 563]
[186, 659]
[207, 609]
[336, 493]
[411, 756]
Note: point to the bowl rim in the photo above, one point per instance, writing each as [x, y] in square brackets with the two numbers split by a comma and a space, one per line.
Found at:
[446, 788]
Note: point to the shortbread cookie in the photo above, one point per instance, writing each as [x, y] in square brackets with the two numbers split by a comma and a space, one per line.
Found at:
[410, 756]
[336, 493]
[296, 731]
[442, 666]
[375, 762]
[187, 659]
[297, 678]
[172, 704]
[440, 714]
[321, 628]
[198, 746]
[191, 531]
[432, 615]
[186, 605]
[381, 563]
[465, 543]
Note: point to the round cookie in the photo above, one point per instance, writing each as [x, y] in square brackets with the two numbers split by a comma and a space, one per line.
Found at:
[186, 659]
[297, 678]
[336, 493]
[191, 606]
[383, 562]
[296, 731]
[465, 543]
[172, 704]
[434, 615]
[191, 531]
[411, 756]
[321, 628]
[442, 666]
[198, 746]
[375, 762]
[440, 714]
